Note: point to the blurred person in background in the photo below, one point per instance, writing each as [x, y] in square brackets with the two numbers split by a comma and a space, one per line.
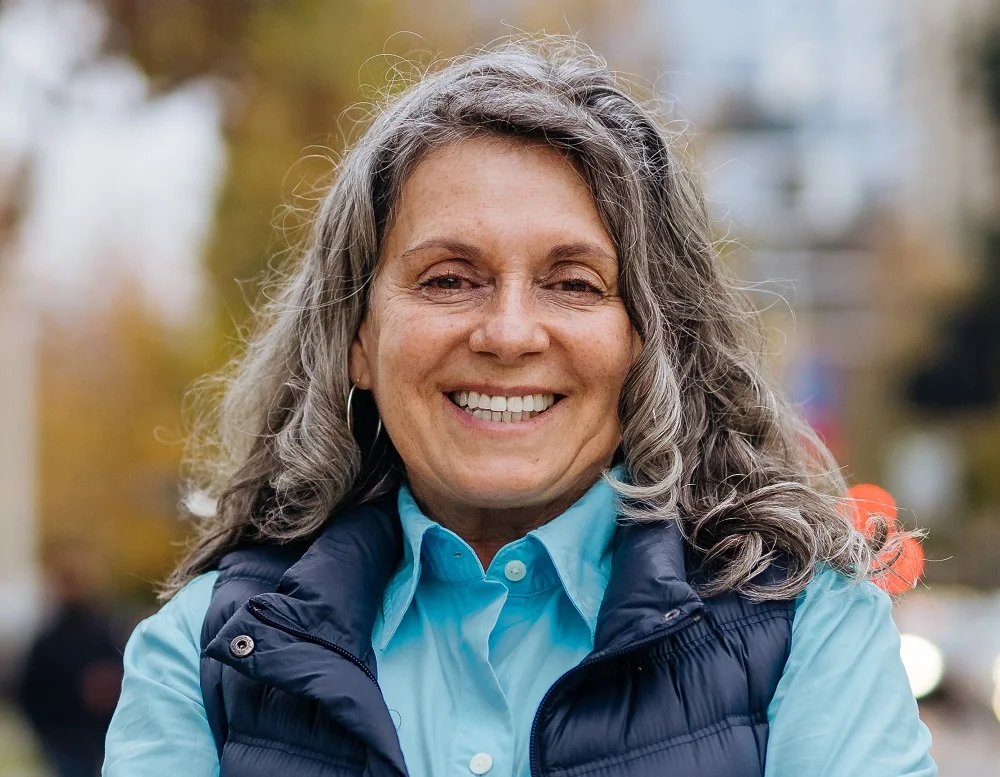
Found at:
[503, 488]
[73, 672]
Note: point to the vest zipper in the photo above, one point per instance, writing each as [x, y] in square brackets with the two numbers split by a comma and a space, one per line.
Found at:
[259, 613]
[535, 765]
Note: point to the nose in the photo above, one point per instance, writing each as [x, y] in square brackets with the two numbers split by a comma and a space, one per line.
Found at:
[510, 326]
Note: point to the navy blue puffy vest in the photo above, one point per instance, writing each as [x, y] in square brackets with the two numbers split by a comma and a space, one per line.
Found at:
[676, 686]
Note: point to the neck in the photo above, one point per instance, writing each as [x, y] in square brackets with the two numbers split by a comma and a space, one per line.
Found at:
[486, 528]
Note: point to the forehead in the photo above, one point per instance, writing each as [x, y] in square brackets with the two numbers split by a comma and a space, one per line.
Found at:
[477, 152]
[497, 188]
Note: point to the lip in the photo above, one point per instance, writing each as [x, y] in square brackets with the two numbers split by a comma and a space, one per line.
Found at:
[481, 424]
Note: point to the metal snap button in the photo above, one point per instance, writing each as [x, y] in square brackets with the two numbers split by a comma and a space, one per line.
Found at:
[242, 646]
[671, 614]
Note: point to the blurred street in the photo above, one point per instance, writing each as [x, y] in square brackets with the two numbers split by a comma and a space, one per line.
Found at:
[18, 757]
[966, 741]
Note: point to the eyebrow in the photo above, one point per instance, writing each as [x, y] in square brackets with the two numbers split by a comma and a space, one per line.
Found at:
[580, 248]
[560, 252]
[452, 246]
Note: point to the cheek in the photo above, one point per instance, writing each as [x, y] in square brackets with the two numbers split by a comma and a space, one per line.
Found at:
[607, 354]
[411, 344]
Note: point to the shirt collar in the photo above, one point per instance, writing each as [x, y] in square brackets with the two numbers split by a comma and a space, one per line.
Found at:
[577, 543]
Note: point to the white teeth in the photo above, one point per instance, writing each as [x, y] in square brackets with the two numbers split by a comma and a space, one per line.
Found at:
[500, 408]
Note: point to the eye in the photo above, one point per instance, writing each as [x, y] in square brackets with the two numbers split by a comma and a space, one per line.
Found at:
[447, 282]
[577, 286]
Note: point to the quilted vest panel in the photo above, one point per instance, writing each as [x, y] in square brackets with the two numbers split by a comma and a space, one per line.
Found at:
[676, 685]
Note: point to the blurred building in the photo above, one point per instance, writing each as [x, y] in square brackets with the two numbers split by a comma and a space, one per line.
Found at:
[19, 576]
[99, 181]
[841, 143]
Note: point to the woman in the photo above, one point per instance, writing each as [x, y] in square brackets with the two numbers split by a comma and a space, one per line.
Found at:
[510, 347]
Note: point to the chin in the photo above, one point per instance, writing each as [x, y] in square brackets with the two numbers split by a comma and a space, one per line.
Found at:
[502, 488]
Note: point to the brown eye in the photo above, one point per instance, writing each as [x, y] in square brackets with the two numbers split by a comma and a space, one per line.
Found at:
[446, 283]
[577, 286]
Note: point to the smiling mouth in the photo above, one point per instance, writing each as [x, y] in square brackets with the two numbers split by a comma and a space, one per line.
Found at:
[508, 410]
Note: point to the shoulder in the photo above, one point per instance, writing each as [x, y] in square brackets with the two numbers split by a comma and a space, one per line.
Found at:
[242, 574]
[259, 565]
[844, 705]
[175, 630]
[161, 700]
[842, 626]
[162, 657]
[828, 581]
[832, 604]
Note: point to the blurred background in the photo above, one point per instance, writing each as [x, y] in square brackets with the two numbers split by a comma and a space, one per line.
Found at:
[156, 155]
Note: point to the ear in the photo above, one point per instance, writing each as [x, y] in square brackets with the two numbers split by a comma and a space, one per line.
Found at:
[358, 364]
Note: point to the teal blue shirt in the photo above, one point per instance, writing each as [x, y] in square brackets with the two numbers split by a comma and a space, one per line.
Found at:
[465, 655]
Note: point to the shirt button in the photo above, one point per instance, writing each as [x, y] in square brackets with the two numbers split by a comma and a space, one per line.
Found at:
[482, 762]
[515, 571]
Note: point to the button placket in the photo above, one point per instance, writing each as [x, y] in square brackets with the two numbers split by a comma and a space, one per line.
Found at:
[483, 734]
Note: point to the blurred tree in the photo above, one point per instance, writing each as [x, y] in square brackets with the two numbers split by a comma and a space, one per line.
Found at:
[111, 381]
[109, 387]
[290, 71]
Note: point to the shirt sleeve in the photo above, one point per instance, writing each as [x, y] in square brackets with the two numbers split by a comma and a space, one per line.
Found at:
[843, 707]
[160, 728]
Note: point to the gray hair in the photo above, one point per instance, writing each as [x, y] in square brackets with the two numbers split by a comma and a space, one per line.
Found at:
[706, 438]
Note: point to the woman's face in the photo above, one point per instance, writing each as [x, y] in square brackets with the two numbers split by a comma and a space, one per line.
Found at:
[498, 288]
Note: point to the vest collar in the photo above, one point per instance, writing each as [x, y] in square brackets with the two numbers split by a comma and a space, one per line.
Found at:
[648, 592]
[334, 592]
[312, 637]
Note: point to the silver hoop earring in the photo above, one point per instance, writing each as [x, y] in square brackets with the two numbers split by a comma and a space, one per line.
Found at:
[350, 428]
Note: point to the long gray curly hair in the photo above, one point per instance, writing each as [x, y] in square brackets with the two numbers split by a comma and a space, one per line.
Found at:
[707, 440]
